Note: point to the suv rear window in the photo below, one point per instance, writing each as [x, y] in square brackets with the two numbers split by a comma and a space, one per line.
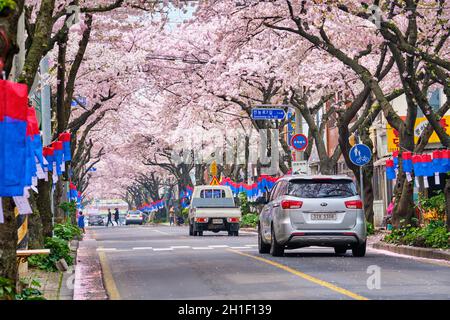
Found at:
[326, 188]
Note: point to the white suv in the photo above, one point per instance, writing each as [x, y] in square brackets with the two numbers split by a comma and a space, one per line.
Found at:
[304, 211]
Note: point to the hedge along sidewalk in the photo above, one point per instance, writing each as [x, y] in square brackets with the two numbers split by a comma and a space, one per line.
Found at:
[429, 253]
[56, 285]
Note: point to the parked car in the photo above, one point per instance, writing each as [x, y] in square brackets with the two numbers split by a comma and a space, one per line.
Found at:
[304, 211]
[96, 220]
[134, 217]
[212, 208]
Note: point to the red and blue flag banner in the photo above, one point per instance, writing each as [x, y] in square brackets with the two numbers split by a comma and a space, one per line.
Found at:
[65, 138]
[153, 206]
[73, 193]
[421, 165]
[35, 135]
[58, 146]
[263, 184]
[49, 154]
[13, 144]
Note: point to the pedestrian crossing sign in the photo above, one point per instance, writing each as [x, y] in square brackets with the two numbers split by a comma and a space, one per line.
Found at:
[214, 181]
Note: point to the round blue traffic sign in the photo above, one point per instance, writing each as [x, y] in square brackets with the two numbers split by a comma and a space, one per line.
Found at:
[360, 154]
[299, 142]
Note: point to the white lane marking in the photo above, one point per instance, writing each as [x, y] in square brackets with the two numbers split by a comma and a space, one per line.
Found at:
[251, 245]
[240, 248]
[162, 232]
[219, 246]
[106, 249]
[142, 248]
[180, 247]
[202, 248]
[162, 249]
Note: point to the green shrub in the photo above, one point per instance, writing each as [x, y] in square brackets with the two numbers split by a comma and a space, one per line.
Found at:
[7, 289]
[244, 204]
[59, 249]
[249, 220]
[433, 235]
[370, 228]
[67, 231]
[7, 4]
[30, 291]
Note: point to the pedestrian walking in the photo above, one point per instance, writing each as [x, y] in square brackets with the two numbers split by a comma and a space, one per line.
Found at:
[172, 215]
[81, 222]
[387, 221]
[117, 216]
[109, 218]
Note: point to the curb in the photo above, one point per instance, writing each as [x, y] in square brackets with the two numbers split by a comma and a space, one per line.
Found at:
[88, 284]
[414, 251]
[249, 229]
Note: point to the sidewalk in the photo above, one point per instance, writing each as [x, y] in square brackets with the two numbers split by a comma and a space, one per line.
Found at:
[88, 283]
[50, 282]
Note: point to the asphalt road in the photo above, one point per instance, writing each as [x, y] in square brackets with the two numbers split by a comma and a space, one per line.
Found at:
[143, 262]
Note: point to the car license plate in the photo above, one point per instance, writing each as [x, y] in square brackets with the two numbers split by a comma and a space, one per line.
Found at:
[323, 216]
[217, 221]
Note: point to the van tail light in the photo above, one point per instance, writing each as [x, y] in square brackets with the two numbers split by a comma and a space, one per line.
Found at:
[354, 204]
[291, 204]
[233, 220]
[201, 220]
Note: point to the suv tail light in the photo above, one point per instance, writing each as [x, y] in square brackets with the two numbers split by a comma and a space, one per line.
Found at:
[201, 220]
[291, 204]
[354, 204]
[233, 220]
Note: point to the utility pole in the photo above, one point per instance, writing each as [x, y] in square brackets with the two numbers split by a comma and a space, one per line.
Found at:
[299, 155]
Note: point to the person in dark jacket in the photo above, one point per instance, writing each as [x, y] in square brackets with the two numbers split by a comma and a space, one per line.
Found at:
[116, 216]
[109, 218]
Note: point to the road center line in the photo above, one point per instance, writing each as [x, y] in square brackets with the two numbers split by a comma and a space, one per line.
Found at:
[180, 247]
[142, 248]
[219, 246]
[304, 276]
[110, 284]
[202, 248]
[162, 249]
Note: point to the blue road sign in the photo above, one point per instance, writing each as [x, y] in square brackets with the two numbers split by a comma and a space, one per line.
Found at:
[268, 114]
[360, 154]
[299, 142]
[82, 100]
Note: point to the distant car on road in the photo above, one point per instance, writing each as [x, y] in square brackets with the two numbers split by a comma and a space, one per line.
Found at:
[304, 211]
[134, 217]
[96, 220]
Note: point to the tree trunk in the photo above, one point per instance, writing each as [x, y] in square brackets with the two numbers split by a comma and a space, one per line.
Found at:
[404, 206]
[447, 203]
[60, 215]
[44, 206]
[344, 135]
[8, 242]
[35, 229]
